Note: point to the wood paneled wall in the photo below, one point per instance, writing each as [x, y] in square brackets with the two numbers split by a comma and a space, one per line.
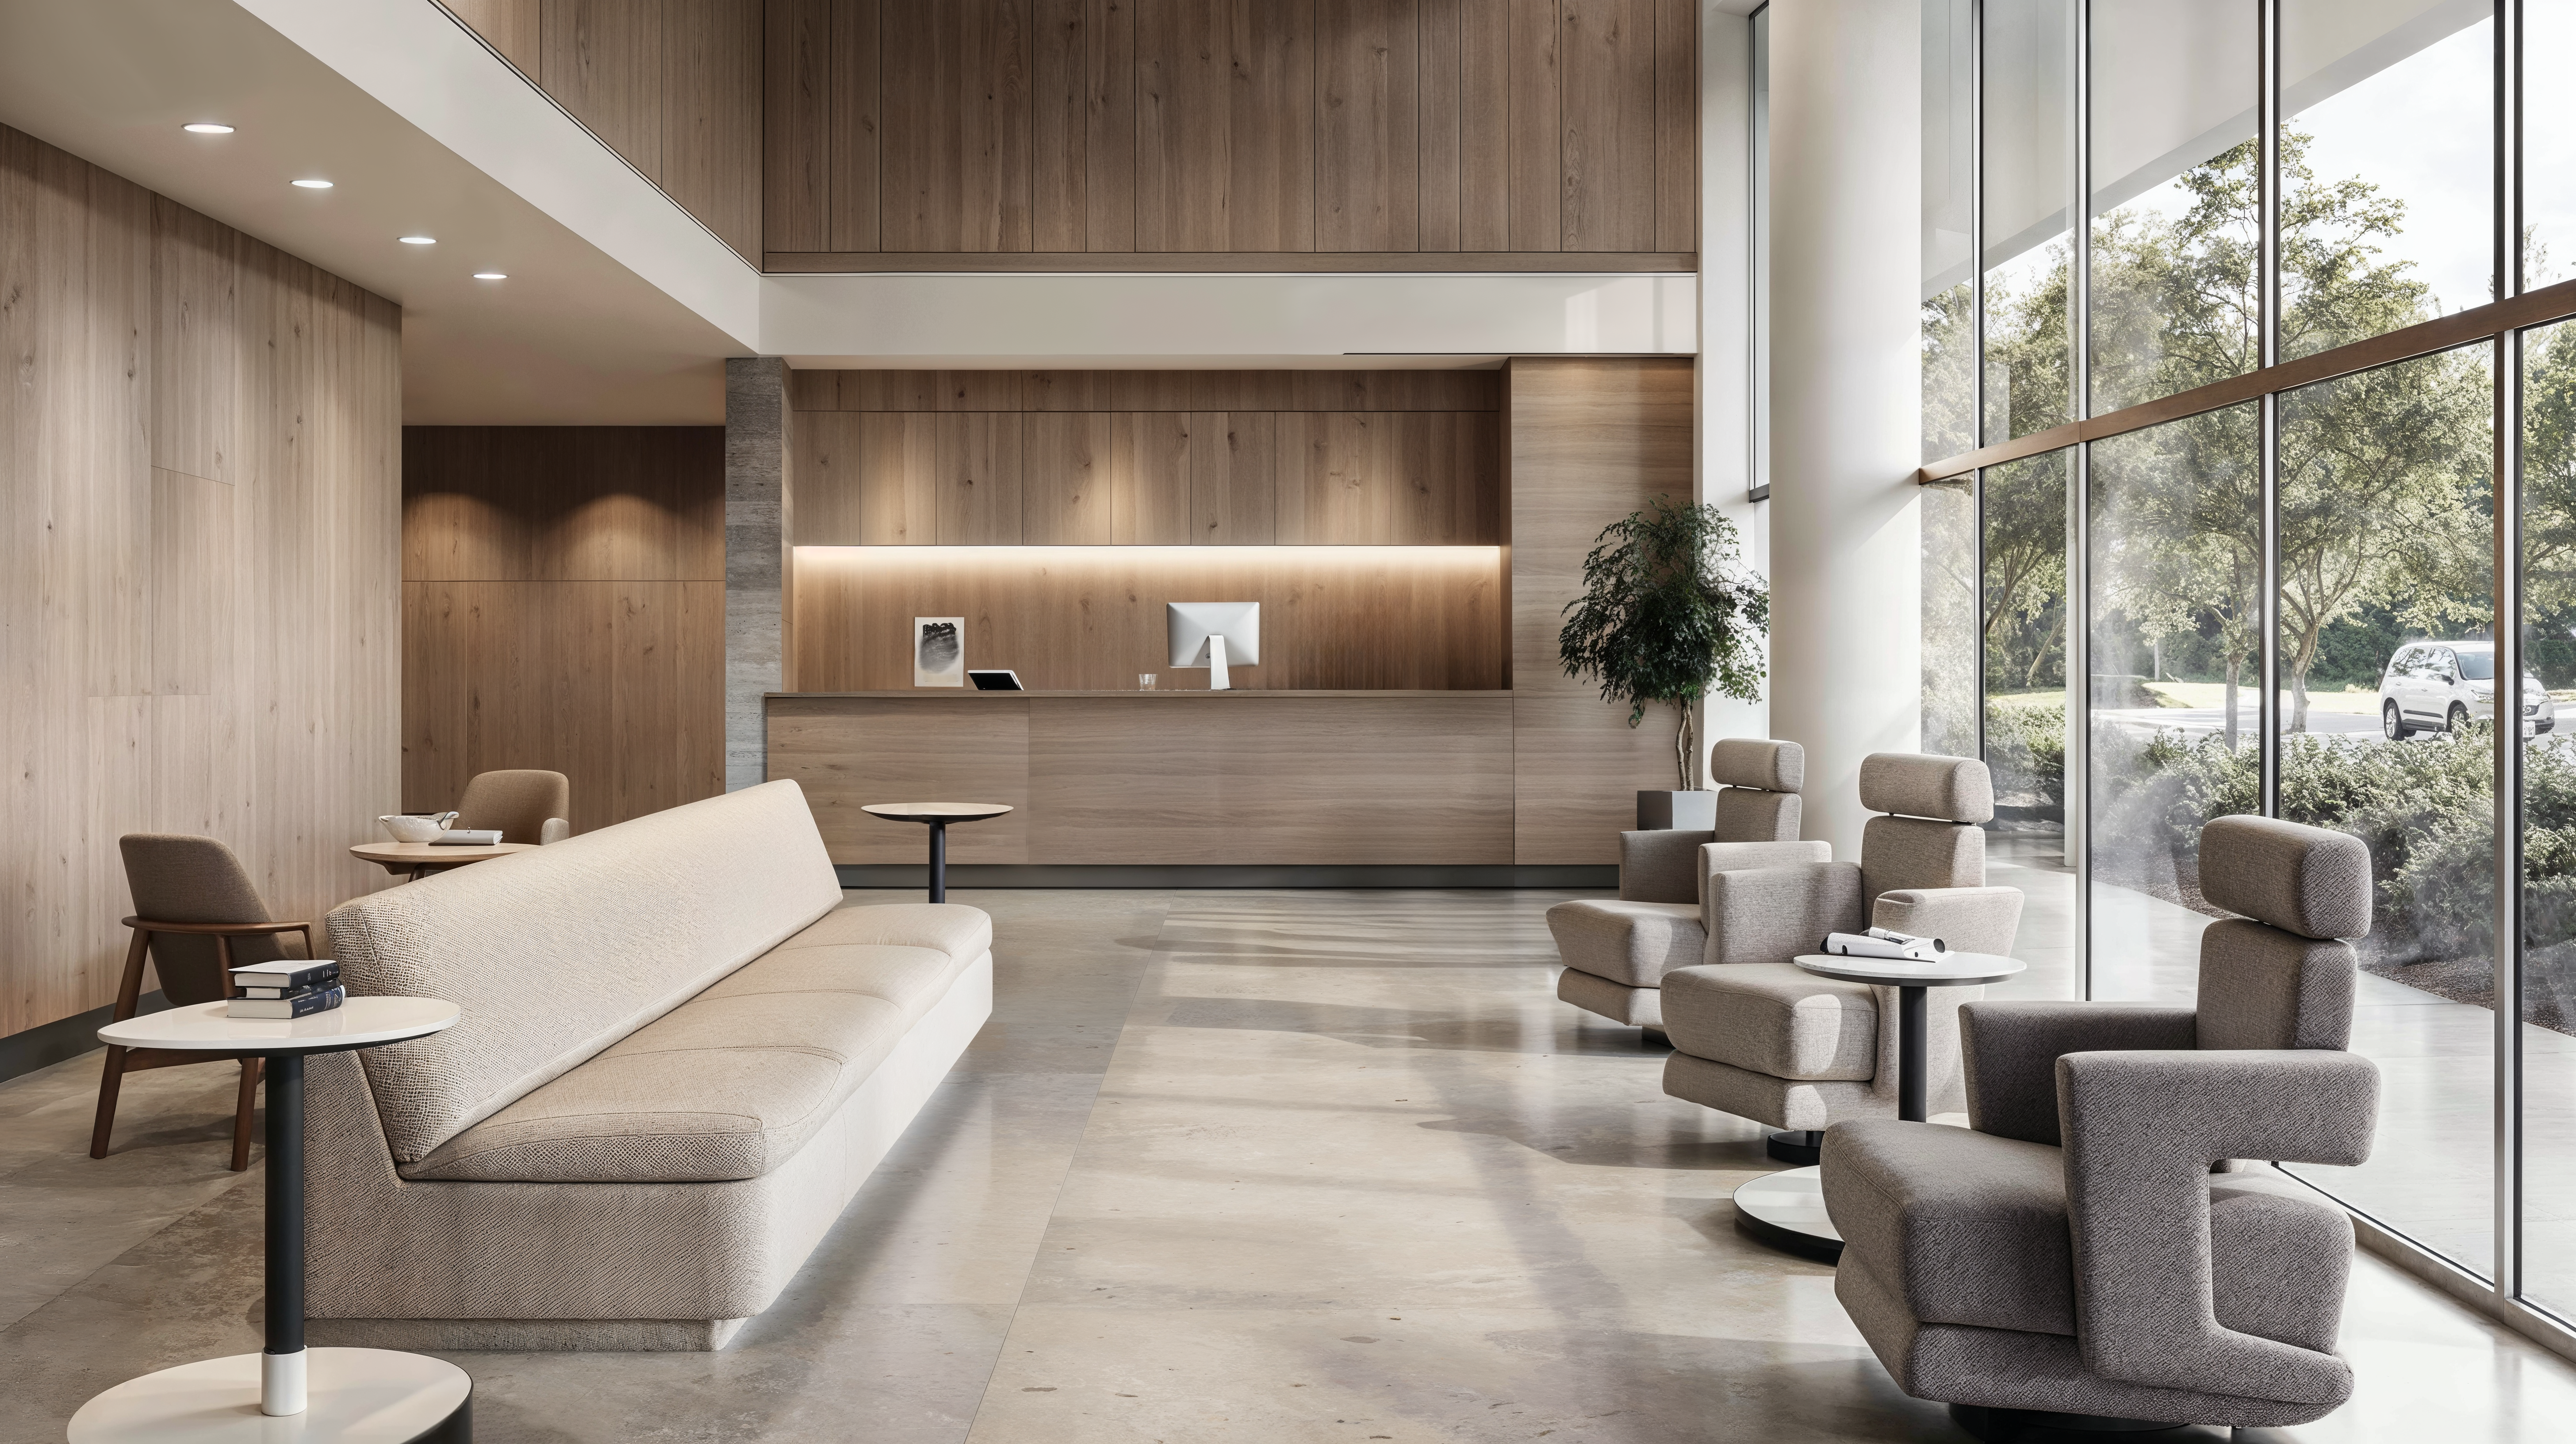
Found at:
[1069, 619]
[1147, 458]
[197, 603]
[563, 608]
[1589, 441]
[673, 86]
[1278, 134]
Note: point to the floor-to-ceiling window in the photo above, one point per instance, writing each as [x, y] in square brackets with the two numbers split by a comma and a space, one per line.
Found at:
[2242, 369]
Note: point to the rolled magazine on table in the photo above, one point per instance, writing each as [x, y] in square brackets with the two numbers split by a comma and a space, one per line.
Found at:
[1886, 943]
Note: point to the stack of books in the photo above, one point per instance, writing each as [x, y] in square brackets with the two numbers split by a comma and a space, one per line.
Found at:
[287, 988]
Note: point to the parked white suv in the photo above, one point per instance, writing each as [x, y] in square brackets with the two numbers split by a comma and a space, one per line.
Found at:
[2437, 686]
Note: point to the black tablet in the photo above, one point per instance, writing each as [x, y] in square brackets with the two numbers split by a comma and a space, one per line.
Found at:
[1003, 681]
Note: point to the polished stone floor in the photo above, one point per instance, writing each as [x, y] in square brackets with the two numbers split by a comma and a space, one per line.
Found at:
[1225, 1166]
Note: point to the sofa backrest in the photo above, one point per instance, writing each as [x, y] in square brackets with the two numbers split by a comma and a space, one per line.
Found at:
[557, 953]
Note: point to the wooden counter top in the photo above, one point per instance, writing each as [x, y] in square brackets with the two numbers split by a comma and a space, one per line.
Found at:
[937, 694]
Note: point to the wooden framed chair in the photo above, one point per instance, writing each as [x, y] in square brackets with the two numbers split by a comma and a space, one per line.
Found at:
[197, 916]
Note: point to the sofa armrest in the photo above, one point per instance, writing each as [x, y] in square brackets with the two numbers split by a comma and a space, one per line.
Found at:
[2142, 1129]
[1969, 919]
[2010, 1052]
[1661, 866]
[1772, 914]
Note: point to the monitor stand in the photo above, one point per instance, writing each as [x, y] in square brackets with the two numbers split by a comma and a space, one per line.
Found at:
[1216, 665]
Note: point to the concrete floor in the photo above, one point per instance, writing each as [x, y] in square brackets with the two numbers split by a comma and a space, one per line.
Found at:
[1225, 1166]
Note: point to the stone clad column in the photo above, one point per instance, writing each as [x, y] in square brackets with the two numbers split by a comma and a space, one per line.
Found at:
[1846, 409]
[755, 558]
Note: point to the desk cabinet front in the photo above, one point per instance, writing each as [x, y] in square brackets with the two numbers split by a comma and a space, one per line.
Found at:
[1174, 778]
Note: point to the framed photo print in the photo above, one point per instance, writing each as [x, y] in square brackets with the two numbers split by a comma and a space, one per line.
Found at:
[939, 651]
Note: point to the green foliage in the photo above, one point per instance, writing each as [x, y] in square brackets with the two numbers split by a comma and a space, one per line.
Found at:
[1668, 613]
[2026, 752]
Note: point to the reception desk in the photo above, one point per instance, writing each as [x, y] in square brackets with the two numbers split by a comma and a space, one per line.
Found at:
[1180, 778]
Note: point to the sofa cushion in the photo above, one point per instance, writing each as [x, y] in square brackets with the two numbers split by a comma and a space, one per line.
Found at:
[963, 933]
[913, 979]
[1968, 1228]
[1774, 1018]
[1634, 943]
[555, 954]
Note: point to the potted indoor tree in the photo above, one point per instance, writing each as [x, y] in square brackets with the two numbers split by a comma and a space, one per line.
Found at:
[1669, 614]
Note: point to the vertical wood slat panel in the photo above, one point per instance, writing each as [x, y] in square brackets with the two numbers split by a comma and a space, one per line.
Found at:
[1061, 130]
[1150, 485]
[853, 111]
[958, 126]
[1368, 146]
[1676, 125]
[193, 372]
[898, 479]
[710, 114]
[1485, 128]
[601, 59]
[1182, 52]
[980, 468]
[1270, 128]
[1065, 495]
[800, 165]
[827, 478]
[1607, 140]
[1110, 144]
[1536, 165]
[1440, 136]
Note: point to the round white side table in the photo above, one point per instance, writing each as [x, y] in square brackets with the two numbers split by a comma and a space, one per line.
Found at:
[363, 1396]
[1787, 1209]
[938, 815]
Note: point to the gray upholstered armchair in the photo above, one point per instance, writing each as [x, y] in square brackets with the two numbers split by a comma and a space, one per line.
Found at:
[1758, 1037]
[1616, 951]
[2075, 1251]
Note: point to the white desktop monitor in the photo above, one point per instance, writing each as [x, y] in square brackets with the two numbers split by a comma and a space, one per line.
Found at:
[1214, 634]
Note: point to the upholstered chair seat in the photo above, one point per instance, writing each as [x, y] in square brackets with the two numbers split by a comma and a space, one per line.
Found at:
[2077, 1249]
[1758, 1037]
[1617, 950]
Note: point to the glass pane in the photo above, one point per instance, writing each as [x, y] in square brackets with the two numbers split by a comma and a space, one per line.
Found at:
[2030, 189]
[2176, 578]
[2388, 673]
[2549, 819]
[1949, 619]
[1949, 279]
[2548, 143]
[2388, 216]
[2024, 622]
[1762, 252]
[2177, 204]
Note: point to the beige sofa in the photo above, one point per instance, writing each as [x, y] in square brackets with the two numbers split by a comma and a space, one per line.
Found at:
[680, 1057]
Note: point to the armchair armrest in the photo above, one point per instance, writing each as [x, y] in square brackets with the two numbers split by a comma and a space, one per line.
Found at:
[1969, 919]
[2141, 1130]
[1746, 856]
[2010, 1050]
[1772, 914]
[556, 829]
[1660, 866]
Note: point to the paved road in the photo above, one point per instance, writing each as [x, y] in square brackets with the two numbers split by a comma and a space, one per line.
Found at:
[2196, 721]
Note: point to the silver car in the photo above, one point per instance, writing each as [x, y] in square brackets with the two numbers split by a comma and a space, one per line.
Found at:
[2439, 686]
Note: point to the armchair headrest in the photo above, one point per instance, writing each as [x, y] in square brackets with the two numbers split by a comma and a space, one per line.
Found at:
[1915, 784]
[1758, 762]
[2305, 880]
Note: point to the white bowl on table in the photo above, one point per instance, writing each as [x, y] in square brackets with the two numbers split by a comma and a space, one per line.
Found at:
[412, 827]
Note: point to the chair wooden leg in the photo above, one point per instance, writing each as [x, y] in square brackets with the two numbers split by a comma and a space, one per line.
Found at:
[108, 1081]
[241, 1114]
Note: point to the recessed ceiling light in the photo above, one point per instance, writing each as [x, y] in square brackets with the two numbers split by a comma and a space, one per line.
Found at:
[490, 276]
[314, 185]
[420, 240]
[207, 127]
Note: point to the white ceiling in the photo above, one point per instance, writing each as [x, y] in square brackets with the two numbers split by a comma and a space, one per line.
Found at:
[571, 336]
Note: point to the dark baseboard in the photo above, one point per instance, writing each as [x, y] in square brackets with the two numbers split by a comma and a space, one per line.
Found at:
[49, 1043]
[1073, 875]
